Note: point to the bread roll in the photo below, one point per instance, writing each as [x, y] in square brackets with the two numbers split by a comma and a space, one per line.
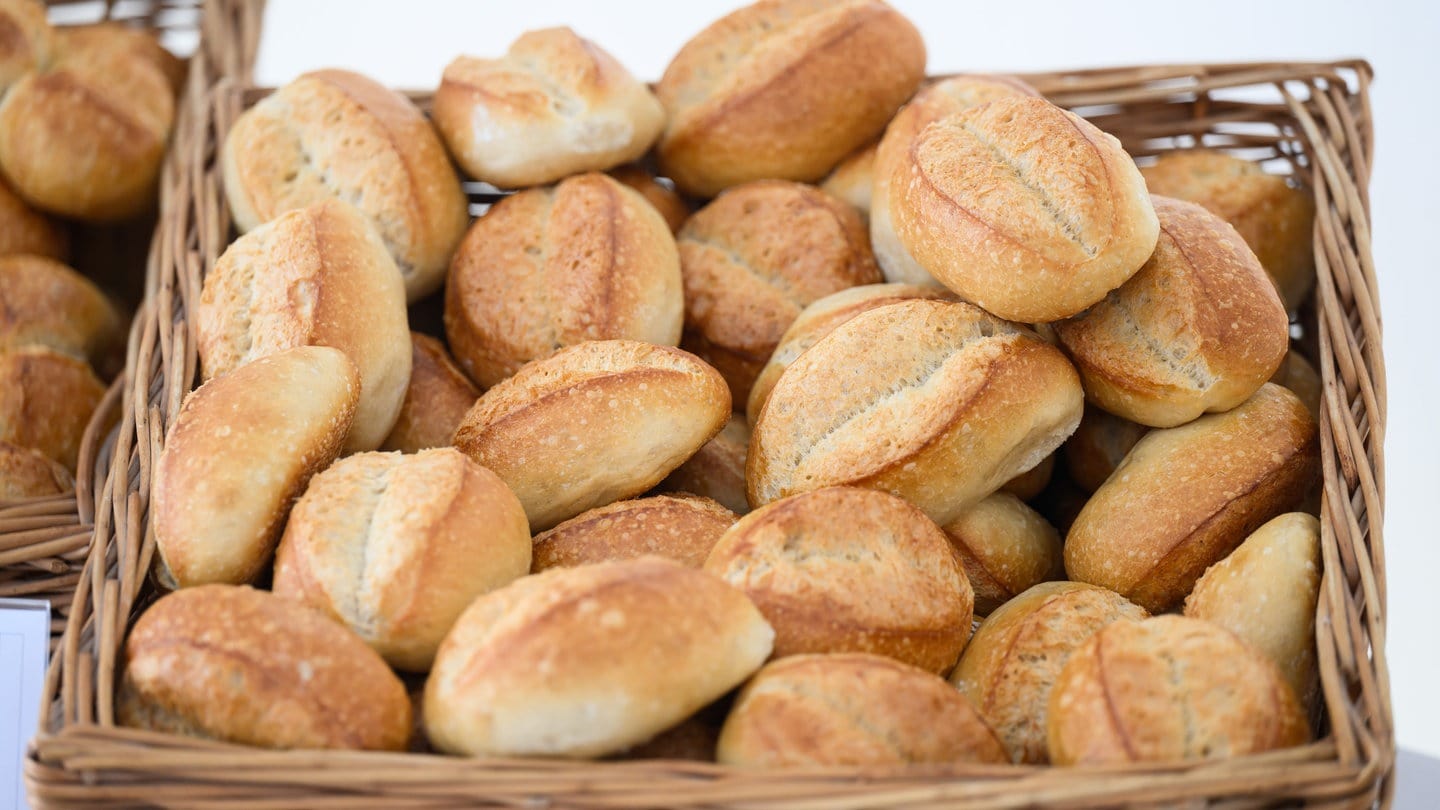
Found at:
[1297, 374]
[1022, 208]
[318, 276]
[581, 662]
[1011, 664]
[1028, 485]
[935, 401]
[246, 666]
[784, 89]
[23, 230]
[43, 302]
[682, 528]
[46, 400]
[1098, 446]
[1061, 502]
[852, 710]
[851, 570]
[593, 424]
[553, 106]
[26, 473]
[137, 43]
[693, 740]
[1185, 497]
[336, 134]
[1005, 547]
[26, 40]
[547, 268]
[241, 450]
[1169, 689]
[753, 259]
[851, 181]
[717, 470]
[437, 398]
[671, 206]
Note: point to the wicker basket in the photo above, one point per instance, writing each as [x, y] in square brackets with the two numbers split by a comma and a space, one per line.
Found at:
[1312, 118]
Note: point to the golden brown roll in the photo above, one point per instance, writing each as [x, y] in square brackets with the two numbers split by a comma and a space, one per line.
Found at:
[43, 302]
[437, 398]
[26, 473]
[784, 89]
[27, 42]
[138, 43]
[336, 134]
[1006, 547]
[693, 740]
[582, 662]
[936, 401]
[396, 546]
[850, 570]
[753, 259]
[682, 528]
[1169, 689]
[672, 206]
[851, 181]
[317, 276]
[46, 400]
[594, 424]
[1029, 484]
[852, 710]
[1098, 446]
[1275, 218]
[241, 450]
[245, 666]
[1203, 297]
[24, 230]
[1023, 208]
[1011, 664]
[551, 267]
[554, 105]
[1185, 497]
[1297, 374]
[717, 470]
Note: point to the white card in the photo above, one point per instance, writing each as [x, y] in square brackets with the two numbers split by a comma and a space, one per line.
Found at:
[24, 654]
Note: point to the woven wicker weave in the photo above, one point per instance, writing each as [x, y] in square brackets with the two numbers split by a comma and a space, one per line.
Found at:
[1313, 118]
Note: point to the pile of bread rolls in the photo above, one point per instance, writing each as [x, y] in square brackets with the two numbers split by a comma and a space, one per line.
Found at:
[738, 483]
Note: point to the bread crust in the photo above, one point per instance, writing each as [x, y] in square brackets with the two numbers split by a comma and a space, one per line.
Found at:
[853, 178]
[138, 43]
[46, 401]
[678, 527]
[26, 473]
[25, 230]
[1005, 548]
[1098, 446]
[27, 41]
[43, 302]
[671, 206]
[437, 398]
[717, 470]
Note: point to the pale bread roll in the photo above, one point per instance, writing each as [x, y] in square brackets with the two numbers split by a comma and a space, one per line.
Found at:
[27, 41]
[1029, 484]
[852, 180]
[24, 230]
[1006, 547]
[43, 302]
[46, 400]
[682, 528]
[671, 206]
[437, 398]
[1098, 446]
[26, 473]
[717, 470]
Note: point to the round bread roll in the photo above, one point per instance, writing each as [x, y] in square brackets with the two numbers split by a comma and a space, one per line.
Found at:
[1011, 664]
[26, 473]
[336, 134]
[1006, 547]
[1169, 689]
[851, 570]
[23, 230]
[582, 662]
[1098, 446]
[241, 450]
[437, 398]
[43, 302]
[551, 267]
[938, 402]
[553, 106]
[1274, 218]
[27, 41]
[137, 43]
[396, 546]
[851, 181]
[245, 666]
[1297, 374]
[1185, 497]
[671, 206]
[682, 528]
[1022, 208]
[852, 710]
[594, 424]
[46, 400]
[319, 276]
[1205, 299]
[717, 470]
[784, 89]
[1029, 484]
[753, 259]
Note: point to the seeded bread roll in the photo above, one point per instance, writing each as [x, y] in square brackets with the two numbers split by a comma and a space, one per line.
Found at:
[717, 470]
[671, 206]
[582, 662]
[553, 106]
[240, 452]
[1169, 689]
[1005, 547]
[46, 400]
[24, 230]
[852, 710]
[43, 302]
[333, 134]
[594, 424]
[852, 180]
[938, 402]
[1185, 497]
[117, 37]
[1029, 484]
[784, 89]
[26, 473]
[1098, 446]
[547, 268]
[27, 41]
[682, 528]
[438, 397]
[245, 666]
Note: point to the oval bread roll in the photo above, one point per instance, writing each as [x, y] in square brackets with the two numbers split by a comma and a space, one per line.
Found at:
[1098, 446]
[682, 528]
[24, 230]
[717, 470]
[437, 398]
[1005, 547]
[26, 473]
[29, 41]
[671, 206]
[851, 181]
[1029, 484]
[43, 302]
[46, 400]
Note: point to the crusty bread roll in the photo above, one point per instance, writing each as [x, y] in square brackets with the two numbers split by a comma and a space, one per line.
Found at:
[1029, 484]
[784, 89]
[1022, 208]
[45, 303]
[24, 230]
[138, 43]
[581, 662]
[672, 206]
[396, 546]
[1169, 689]
[336, 134]
[1297, 374]
[1205, 299]
[682, 528]
[753, 259]
[852, 710]
[1098, 446]
[593, 424]
[437, 398]
[317, 276]
[693, 740]
[1011, 664]
[26, 473]
[241, 450]
[27, 42]
[551, 267]
[717, 470]
[936, 401]
[852, 180]
[1006, 547]
[1185, 497]
[46, 400]
[851, 570]
[1276, 219]
[246, 666]
[555, 105]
